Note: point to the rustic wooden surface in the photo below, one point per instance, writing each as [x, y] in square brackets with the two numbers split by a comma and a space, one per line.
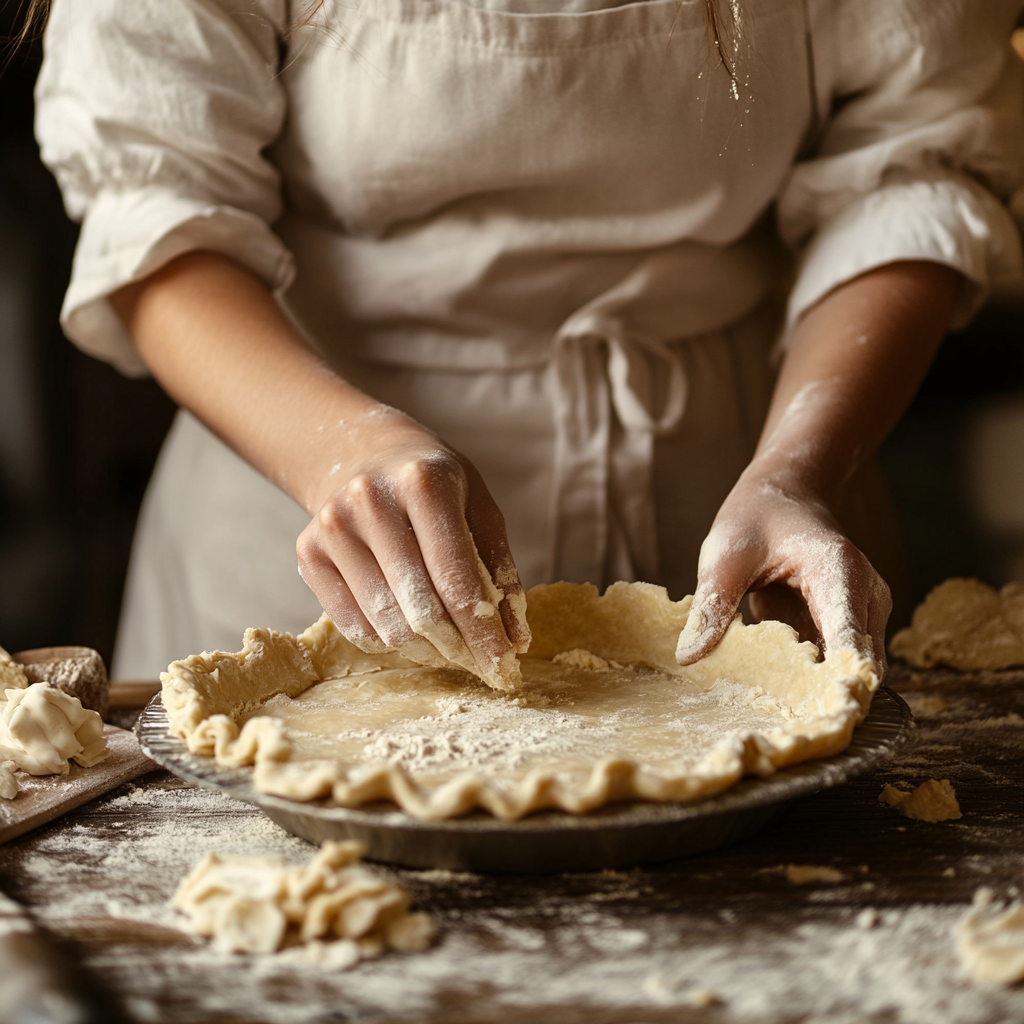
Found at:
[647, 945]
[46, 797]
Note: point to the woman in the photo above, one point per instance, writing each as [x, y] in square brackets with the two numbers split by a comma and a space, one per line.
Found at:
[416, 261]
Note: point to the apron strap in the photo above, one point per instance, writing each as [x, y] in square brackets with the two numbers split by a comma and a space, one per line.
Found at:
[606, 383]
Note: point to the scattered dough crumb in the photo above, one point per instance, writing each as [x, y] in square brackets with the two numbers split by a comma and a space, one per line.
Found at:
[484, 610]
[703, 997]
[9, 787]
[949, 873]
[578, 658]
[990, 940]
[260, 904]
[931, 801]
[802, 874]
[932, 704]
[967, 625]
[867, 918]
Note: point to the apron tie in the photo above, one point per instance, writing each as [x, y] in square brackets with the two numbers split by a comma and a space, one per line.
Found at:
[607, 380]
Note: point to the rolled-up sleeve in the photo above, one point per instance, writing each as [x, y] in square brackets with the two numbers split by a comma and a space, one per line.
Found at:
[155, 117]
[923, 141]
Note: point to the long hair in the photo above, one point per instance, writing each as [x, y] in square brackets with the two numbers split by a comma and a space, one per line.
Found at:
[32, 17]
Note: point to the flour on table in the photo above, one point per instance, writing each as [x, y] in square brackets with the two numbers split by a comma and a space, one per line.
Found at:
[258, 904]
[933, 800]
[967, 625]
[990, 940]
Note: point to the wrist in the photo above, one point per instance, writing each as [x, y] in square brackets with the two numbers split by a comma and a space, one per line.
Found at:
[797, 477]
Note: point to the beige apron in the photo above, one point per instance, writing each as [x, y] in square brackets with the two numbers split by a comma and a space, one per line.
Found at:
[537, 234]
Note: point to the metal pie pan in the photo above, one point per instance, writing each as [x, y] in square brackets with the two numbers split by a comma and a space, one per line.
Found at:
[619, 835]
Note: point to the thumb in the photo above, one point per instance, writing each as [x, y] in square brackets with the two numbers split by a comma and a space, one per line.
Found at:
[719, 592]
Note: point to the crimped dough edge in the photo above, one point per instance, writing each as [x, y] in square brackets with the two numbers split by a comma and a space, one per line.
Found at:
[208, 695]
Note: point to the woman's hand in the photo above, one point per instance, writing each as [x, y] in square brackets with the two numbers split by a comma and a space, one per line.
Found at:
[398, 516]
[853, 365]
[404, 546]
[785, 546]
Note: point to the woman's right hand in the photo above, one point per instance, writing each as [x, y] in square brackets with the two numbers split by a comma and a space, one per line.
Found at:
[405, 545]
[398, 516]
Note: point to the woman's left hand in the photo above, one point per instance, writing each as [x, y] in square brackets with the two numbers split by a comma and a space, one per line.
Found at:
[782, 543]
[853, 365]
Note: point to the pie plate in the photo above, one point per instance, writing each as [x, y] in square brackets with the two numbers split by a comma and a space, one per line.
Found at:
[619, 835]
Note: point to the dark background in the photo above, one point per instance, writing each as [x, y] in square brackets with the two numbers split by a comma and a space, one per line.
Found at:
[78, 441]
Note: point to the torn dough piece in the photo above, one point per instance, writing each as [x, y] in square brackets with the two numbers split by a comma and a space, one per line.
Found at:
[990, 940]
[803, 874]
[617, 719]
[9, 787]
[931, 801]
[967, 625]
[251, 904]
[441, 645]
[42, 729]
[12, 675]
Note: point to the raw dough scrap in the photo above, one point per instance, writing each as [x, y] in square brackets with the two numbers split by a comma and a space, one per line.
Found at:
[967, 625]
[441, 645]
[9, 787]
[803, 874]
[931, 801]
[42, 729]
[616, 718]
[12, 676]
[253, 904]
[990, 940]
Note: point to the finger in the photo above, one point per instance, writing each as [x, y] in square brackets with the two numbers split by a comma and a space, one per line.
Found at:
[878, 618]
[487, 526]
[322, 577]
[838, 590]
[724, 574]
[463, 584]
[372, 544]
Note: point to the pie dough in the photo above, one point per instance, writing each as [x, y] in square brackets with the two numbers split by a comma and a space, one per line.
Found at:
[12, 676]
[967, 625]
[990, 940]
[42, 730]
[604, 712]
[259, 904]
[9, 787]
[933, 800]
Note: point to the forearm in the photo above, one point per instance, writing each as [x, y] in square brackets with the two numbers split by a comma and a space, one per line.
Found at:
[854, 364]
[400, 521]
[212, 335]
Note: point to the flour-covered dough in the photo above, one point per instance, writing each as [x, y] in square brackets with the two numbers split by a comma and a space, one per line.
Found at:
[42, 729]
[967, 625]
[12, 675]
[934, 800]
[990, 940]
[257, 904]
[604, 713]
[9, 787]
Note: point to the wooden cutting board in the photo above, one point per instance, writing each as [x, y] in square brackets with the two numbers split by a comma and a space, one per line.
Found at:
[46, 797]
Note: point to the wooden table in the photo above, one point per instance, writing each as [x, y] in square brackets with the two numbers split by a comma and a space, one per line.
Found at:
[727, 930]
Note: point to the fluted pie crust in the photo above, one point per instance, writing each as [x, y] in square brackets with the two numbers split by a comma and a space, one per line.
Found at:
[604, 712]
